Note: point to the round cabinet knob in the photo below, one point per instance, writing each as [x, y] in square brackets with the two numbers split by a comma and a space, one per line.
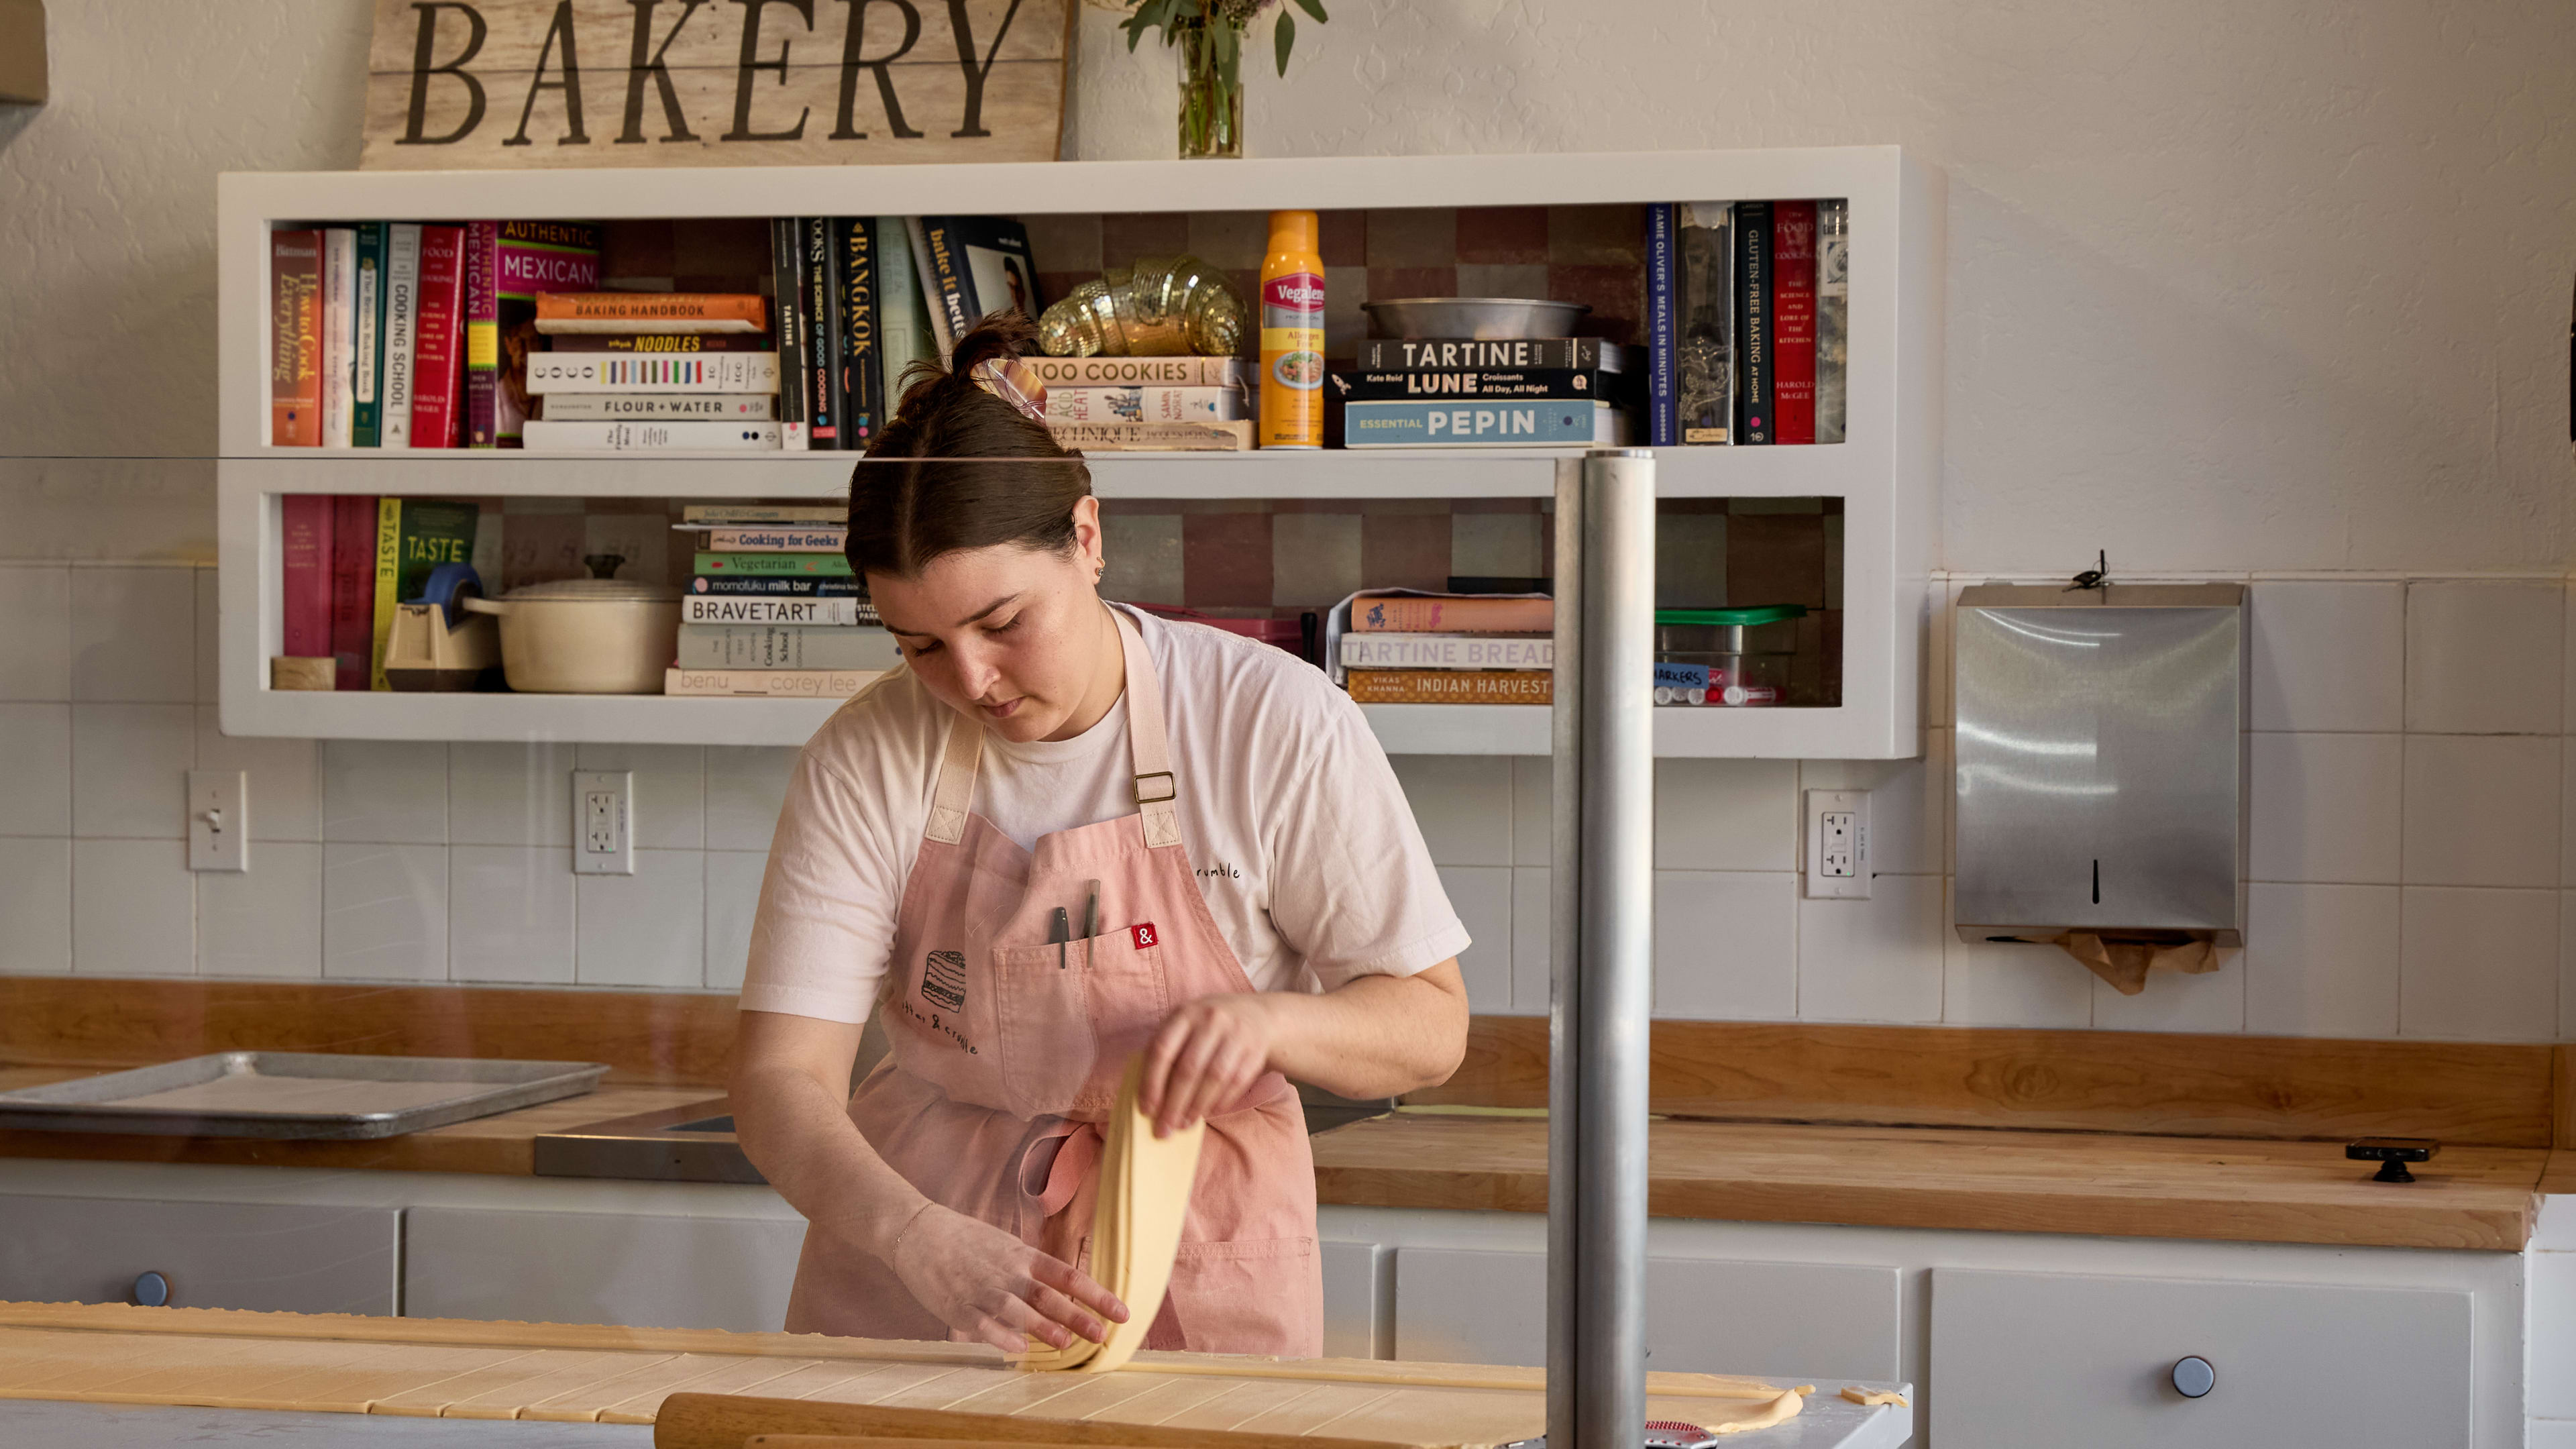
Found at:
[2193, 1377]
[152, 1290]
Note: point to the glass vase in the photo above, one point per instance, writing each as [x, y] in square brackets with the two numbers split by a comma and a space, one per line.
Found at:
[1211, 110]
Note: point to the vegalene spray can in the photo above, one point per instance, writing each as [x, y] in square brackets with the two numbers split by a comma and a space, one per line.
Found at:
[1292, 334]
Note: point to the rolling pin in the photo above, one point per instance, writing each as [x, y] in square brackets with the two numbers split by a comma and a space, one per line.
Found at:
[724, 1421]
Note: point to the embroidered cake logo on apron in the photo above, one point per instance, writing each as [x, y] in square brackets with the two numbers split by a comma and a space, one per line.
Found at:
[943, 979]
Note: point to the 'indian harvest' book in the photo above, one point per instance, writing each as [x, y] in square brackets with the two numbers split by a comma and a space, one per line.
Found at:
[1453, 686]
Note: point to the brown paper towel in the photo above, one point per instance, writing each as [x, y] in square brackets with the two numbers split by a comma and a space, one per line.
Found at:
[2125, 962]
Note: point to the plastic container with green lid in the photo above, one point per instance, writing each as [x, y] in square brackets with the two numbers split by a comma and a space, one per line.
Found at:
[1729, 657]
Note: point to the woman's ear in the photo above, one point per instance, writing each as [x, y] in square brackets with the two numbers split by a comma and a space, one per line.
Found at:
[1086, 537]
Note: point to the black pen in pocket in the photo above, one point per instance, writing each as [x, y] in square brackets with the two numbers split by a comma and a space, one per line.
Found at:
[1058, 929]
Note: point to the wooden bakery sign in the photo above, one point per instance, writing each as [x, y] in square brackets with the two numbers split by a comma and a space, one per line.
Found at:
[468, 84]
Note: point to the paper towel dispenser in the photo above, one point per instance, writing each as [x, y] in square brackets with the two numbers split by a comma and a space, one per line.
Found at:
[2099, 769]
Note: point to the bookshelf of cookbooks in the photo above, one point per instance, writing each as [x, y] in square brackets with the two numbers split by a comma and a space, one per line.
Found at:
[677, 399]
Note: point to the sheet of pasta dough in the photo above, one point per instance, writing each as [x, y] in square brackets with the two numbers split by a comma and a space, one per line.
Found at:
[1144, 1197]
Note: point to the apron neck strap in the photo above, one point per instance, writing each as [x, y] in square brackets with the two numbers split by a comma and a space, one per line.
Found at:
[1148, 747]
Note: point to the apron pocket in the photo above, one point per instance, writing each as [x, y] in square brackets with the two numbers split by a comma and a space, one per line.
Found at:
[1251, 1295]
[1043, 1013]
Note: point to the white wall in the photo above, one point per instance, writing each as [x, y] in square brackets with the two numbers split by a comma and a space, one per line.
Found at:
[2237, 292]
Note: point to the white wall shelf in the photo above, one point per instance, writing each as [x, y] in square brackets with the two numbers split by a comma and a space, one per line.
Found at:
[1886, 472]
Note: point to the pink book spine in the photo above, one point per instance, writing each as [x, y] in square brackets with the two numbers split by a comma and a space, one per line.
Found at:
[306, 549]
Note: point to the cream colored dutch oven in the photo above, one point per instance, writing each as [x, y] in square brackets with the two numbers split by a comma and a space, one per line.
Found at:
[586, 636]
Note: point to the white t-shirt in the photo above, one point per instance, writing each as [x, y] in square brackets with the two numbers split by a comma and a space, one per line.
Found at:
[1298, 832]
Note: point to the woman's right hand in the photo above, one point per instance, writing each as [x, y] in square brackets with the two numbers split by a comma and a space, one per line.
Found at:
[993, 1288]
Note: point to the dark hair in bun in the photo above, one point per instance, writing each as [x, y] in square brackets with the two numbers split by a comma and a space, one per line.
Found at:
[903, 515]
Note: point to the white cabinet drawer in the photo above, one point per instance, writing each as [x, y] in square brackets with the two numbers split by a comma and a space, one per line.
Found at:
[271, 1256]
[643, 1271]
[1817, 1320]
[2044, 1360]
[1354, 1287]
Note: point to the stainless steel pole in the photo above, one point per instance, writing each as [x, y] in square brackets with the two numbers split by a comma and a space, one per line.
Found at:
[1602, 956]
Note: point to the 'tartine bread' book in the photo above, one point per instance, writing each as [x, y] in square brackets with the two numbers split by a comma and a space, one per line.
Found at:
[1447, 651]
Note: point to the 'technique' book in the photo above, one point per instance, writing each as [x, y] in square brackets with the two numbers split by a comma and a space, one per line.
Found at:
[651, 436]
[579, 309]
[1390, 354]
[1210, 437]
[1452, 686]
[295, 339]
[1793, 321]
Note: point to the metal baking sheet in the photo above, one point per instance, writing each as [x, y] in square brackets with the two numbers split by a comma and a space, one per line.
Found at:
[294, 1094]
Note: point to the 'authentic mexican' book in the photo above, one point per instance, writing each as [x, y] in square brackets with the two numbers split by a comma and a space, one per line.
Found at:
[712, 513]
[366, 392]
[1704, 323]
[787, 304]
[579, 309]
[1447, 651]
[717, 372]
[1755, 410]
[593, 407]
[353, 588]
[1058, 372]
[295, 339]
[1833, 317]
[1413, 614]
[858, 276]
[652, 436]
[1145, 404]
[509, 267]
[438, 353]
[784, 646]
[413, 536]
[820, 565]
[1482, 423]
[1389, 354]
[304, 552]
[769, 683]
[1793, 321]
[339, 335]
[1453, 686]
[1561, 384]
[775, 610]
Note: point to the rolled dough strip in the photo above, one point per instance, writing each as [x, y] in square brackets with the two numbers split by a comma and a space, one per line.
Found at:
[1778, 1411]
[1871, 1398]
[1143, 1199]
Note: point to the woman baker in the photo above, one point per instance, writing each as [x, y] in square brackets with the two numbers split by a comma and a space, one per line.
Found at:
[1260, 908]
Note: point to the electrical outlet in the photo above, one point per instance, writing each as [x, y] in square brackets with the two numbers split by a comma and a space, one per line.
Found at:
[603, 822]
[219, 820]
[1838, 845]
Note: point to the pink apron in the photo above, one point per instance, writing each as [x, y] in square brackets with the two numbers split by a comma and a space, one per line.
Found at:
[1004, 1063]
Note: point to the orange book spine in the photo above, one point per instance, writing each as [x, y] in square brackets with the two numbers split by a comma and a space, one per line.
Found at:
[747, 310]
[1453, 616]
[295, 339]
[1453, 686]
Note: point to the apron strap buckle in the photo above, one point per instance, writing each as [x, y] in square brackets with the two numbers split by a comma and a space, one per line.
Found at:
[1171, 788]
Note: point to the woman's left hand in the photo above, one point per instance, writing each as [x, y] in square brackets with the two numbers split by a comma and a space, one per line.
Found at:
[1207, 1054]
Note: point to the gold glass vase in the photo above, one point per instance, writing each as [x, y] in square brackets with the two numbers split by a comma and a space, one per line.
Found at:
[1211, 107]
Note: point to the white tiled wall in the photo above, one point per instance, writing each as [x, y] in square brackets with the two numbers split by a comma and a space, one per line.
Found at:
[370, 860]
[2408, 863]
[2549, 1337]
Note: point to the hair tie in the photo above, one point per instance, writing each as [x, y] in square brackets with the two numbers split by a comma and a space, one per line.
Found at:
[1007, 379]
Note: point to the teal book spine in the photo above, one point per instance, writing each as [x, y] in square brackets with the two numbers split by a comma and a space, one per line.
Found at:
[1477, 423]
[367, 414]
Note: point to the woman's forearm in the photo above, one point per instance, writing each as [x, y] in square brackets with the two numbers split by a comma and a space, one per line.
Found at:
[1379, 1036]
[795, 1127]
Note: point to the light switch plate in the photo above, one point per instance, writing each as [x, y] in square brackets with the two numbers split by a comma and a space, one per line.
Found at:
[603, 822]
[1837, 866]
[219, 820]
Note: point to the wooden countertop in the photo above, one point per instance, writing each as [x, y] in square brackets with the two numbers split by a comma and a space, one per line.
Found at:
[2048, 1182]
